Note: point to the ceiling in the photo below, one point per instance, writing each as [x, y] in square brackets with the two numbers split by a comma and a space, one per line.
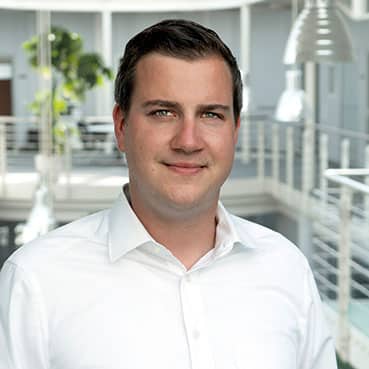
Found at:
[125, 5]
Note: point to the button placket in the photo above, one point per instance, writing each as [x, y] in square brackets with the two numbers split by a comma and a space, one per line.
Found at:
[192, 305]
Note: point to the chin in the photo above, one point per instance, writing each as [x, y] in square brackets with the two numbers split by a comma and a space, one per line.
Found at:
[182, 201]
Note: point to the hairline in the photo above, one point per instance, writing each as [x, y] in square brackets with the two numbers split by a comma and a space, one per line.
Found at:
[194, 57]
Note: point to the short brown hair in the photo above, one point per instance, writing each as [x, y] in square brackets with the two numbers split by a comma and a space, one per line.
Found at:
[178, 38]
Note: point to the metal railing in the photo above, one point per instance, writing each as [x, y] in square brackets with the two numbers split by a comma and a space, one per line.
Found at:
[87, 143]
[336, 198]
[292, 162]
[343, 255]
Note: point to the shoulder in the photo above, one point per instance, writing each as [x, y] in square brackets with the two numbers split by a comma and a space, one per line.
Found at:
[77, 236]
[268, 243]
[274, 262]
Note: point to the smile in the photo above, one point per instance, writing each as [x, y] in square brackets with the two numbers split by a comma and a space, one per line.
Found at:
[185, 168]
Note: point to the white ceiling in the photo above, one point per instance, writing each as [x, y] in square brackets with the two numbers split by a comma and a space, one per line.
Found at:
[126, 5]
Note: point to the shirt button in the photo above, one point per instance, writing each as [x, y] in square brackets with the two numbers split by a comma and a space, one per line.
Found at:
[188, 278]
[195, 334]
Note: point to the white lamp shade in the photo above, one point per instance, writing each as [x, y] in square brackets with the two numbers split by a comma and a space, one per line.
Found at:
[292, 106]
[319, 35]
[246, 94]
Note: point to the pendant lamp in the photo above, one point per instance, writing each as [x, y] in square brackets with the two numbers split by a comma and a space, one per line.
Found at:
[245, 93]
[319, 35]
[292, 105]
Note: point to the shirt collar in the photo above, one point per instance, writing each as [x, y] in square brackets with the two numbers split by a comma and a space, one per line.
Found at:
[126, 232]
[229, 231]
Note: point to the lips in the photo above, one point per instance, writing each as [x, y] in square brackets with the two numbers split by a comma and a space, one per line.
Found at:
[185, 167]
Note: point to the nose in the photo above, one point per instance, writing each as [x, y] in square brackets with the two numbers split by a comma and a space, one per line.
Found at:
[187, 137]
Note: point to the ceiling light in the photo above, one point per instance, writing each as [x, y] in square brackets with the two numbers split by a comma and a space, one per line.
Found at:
[319, 35]
[292, 105]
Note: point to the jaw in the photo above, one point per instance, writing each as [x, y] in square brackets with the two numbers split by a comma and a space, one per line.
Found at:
[181, 198]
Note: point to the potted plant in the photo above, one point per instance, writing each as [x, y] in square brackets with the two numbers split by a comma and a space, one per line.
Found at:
[74, 72]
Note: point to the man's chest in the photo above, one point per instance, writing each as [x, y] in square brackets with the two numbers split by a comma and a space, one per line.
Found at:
[177, 323]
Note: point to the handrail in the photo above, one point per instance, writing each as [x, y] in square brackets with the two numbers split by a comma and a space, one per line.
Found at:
[280, 153]
[344, 132]
[346, 264]
[4, 119]
[339, 176]
[100, 119]
[12, 119]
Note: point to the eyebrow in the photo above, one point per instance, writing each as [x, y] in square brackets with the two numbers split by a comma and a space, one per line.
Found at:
[175, 105]
[162, 103]
[225, 108]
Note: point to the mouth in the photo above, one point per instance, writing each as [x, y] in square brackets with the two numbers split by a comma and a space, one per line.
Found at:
[185, 168]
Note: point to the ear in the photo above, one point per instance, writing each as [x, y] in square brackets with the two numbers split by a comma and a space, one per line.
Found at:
[119, 126]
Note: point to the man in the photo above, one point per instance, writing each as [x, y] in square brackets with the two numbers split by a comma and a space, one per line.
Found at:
[167, 278]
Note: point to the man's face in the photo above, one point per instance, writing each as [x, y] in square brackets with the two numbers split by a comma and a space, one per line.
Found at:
[179, 135]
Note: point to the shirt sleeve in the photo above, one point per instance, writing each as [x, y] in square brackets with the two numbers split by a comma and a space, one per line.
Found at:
[23, 343]
[317, 350]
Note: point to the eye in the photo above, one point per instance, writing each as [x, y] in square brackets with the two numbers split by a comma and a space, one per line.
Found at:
[162, 113]
[212, 115]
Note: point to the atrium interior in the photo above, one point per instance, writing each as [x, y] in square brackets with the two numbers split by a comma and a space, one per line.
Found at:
[302, 158]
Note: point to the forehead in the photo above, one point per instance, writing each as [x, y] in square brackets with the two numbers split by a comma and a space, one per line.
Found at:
[173, 78]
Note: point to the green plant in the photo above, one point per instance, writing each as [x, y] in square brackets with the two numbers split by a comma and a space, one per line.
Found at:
[73, 74]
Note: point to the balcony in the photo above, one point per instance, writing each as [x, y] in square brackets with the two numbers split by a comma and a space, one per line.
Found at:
[278, 168]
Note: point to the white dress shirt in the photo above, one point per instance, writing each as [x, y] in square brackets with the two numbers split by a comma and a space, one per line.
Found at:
[100, 293]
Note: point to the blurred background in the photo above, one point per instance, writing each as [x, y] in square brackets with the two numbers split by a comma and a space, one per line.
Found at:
[302, 160]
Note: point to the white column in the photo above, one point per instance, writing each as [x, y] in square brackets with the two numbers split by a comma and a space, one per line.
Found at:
[41, 218]
[308, 164]
[308, 179]
[289, 159]
[245, 138]
[323, 167]
[345, 153]
[45, 83]
[344, 276]
[245, 42]
[366, 202]
[245, 39]
[305, 234]
[359, 7]
[104, 94]
[261, 152]
[275, 156]
[308, 161]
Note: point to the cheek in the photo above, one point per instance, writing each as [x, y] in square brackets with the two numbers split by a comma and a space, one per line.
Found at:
[225, 146]
[134, 143]
[140, 156]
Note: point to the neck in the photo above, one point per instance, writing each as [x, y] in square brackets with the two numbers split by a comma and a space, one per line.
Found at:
[188, 238]
[187, 241]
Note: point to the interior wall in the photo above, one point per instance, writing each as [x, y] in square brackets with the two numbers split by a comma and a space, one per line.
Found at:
[125, 25]
[270, 30]
[267, 70]
[15, 28]
[83, 24]
[347, 106]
